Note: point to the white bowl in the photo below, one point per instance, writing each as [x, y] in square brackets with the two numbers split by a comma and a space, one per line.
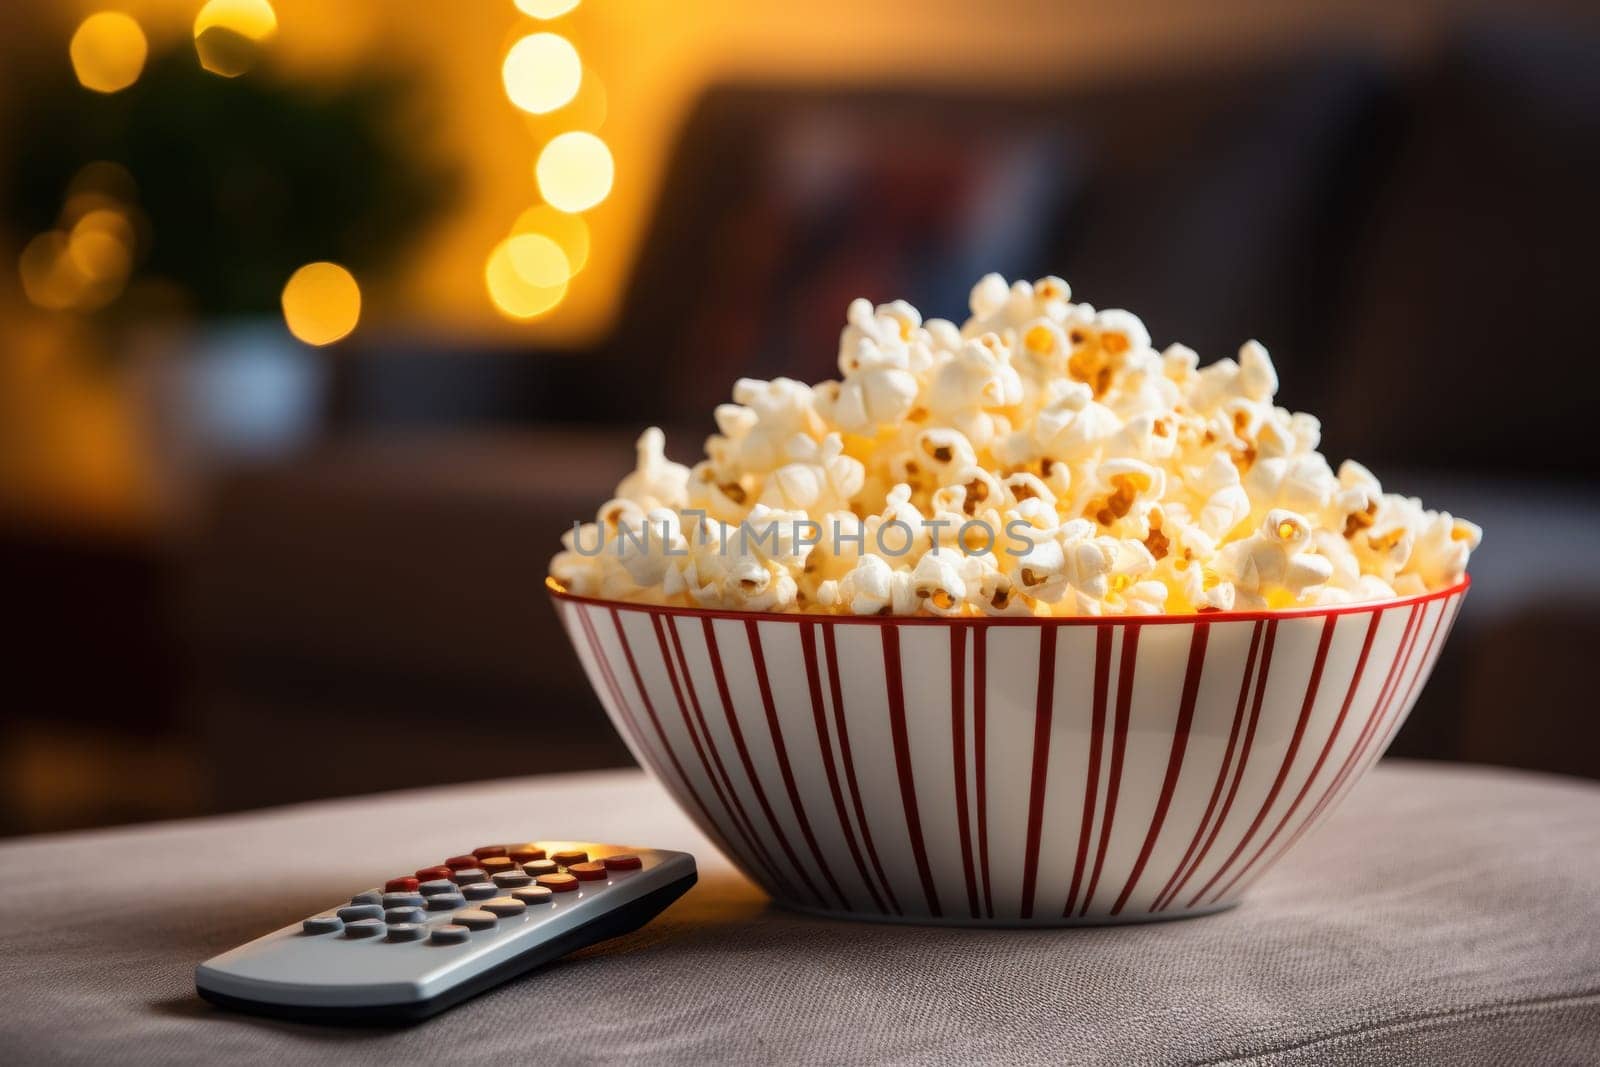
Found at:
[1035, 772]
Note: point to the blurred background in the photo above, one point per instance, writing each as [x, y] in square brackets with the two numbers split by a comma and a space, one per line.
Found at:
[320, 321]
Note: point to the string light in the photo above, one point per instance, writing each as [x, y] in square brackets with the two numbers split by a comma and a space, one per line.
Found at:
[229, 34]
[48, 277]
[108, 52]
[321, 303]
[542, 72]
[575, 171]
[538, 260]
[513, 294]
[546, 9]
[101, 247]
[527, 273]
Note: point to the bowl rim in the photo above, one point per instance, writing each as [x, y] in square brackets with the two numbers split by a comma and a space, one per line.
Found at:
[557, 592]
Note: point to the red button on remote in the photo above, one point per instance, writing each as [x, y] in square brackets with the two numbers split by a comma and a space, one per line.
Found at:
[400, 885]
[588, 872]
[625, 861]
[526, 854]
[489, 850]
[459, 863]
[433, 874]
[558, 883]
[568, 858]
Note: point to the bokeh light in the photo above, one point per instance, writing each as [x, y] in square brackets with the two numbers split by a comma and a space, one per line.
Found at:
[568, 231]
[100, 184]
[101, 247]
[542, 72]
[538, 260]
[575, 171]
[108, 52]
[229, 34]
[321, 303]
[546, 9]
[49, 279]
[513, 294]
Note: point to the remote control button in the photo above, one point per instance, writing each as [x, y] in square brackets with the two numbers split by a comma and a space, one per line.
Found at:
[403, 900]
[448, 934]
[461, 863]
[538, 867]
[323, 924]
[486, 851]
[625, 861]
[446, 902]
[364, 928]
[407, 931]
[355, 912]
[474, 919]
[433, 874]
[369, 896]
[405, 915]
[496, 864]
[479, 890]
[533, 894]
[558, 883]
[504, 906]
[468, 875]
[525, 853]
[512, 879]
[588, 872]
[401, 885]
[436, 887]
[571, 856]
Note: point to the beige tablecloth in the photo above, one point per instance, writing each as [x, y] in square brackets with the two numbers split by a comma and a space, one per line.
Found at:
[1446, 914]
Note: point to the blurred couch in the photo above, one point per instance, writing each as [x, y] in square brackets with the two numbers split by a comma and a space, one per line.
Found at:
[1413, 242]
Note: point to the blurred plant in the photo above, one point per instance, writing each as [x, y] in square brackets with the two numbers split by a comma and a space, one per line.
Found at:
[225, 187]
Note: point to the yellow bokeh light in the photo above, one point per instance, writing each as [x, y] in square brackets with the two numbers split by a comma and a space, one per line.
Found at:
[321, 303]
[513, 294]
[61, 272]
[251, 19]
[568, 231]
[101, 246]
[546, 9]
[101, 184]
[575, 171]
[108, 52]
[538, 260]
[228, 34]
[542, 72]
[48, 277]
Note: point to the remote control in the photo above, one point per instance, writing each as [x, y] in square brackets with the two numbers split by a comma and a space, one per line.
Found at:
[429, 940]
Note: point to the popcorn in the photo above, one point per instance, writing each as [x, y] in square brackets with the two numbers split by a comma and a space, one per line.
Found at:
[1042, 458]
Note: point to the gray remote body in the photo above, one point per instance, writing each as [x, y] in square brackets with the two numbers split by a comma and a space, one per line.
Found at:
[422, 944]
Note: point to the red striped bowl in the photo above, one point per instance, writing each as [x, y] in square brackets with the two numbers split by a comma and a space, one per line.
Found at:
[1009, 771]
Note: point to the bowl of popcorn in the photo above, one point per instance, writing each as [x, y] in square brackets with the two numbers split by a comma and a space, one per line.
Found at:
[1018, 622]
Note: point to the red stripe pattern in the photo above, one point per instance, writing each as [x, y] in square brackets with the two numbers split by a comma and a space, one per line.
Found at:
[1160, 768]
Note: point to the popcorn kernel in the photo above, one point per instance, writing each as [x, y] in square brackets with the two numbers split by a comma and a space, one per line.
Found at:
[1157, 543]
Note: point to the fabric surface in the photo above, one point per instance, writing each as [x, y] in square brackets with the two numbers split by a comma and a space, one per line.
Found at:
[1444, 914]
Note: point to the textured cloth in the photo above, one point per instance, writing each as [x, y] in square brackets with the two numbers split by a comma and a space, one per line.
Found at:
[1445, 914]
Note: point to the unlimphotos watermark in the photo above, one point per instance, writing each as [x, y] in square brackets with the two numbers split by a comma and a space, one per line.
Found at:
[891, 538]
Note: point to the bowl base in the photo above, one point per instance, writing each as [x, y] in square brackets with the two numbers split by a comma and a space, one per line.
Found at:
[1126, 919]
